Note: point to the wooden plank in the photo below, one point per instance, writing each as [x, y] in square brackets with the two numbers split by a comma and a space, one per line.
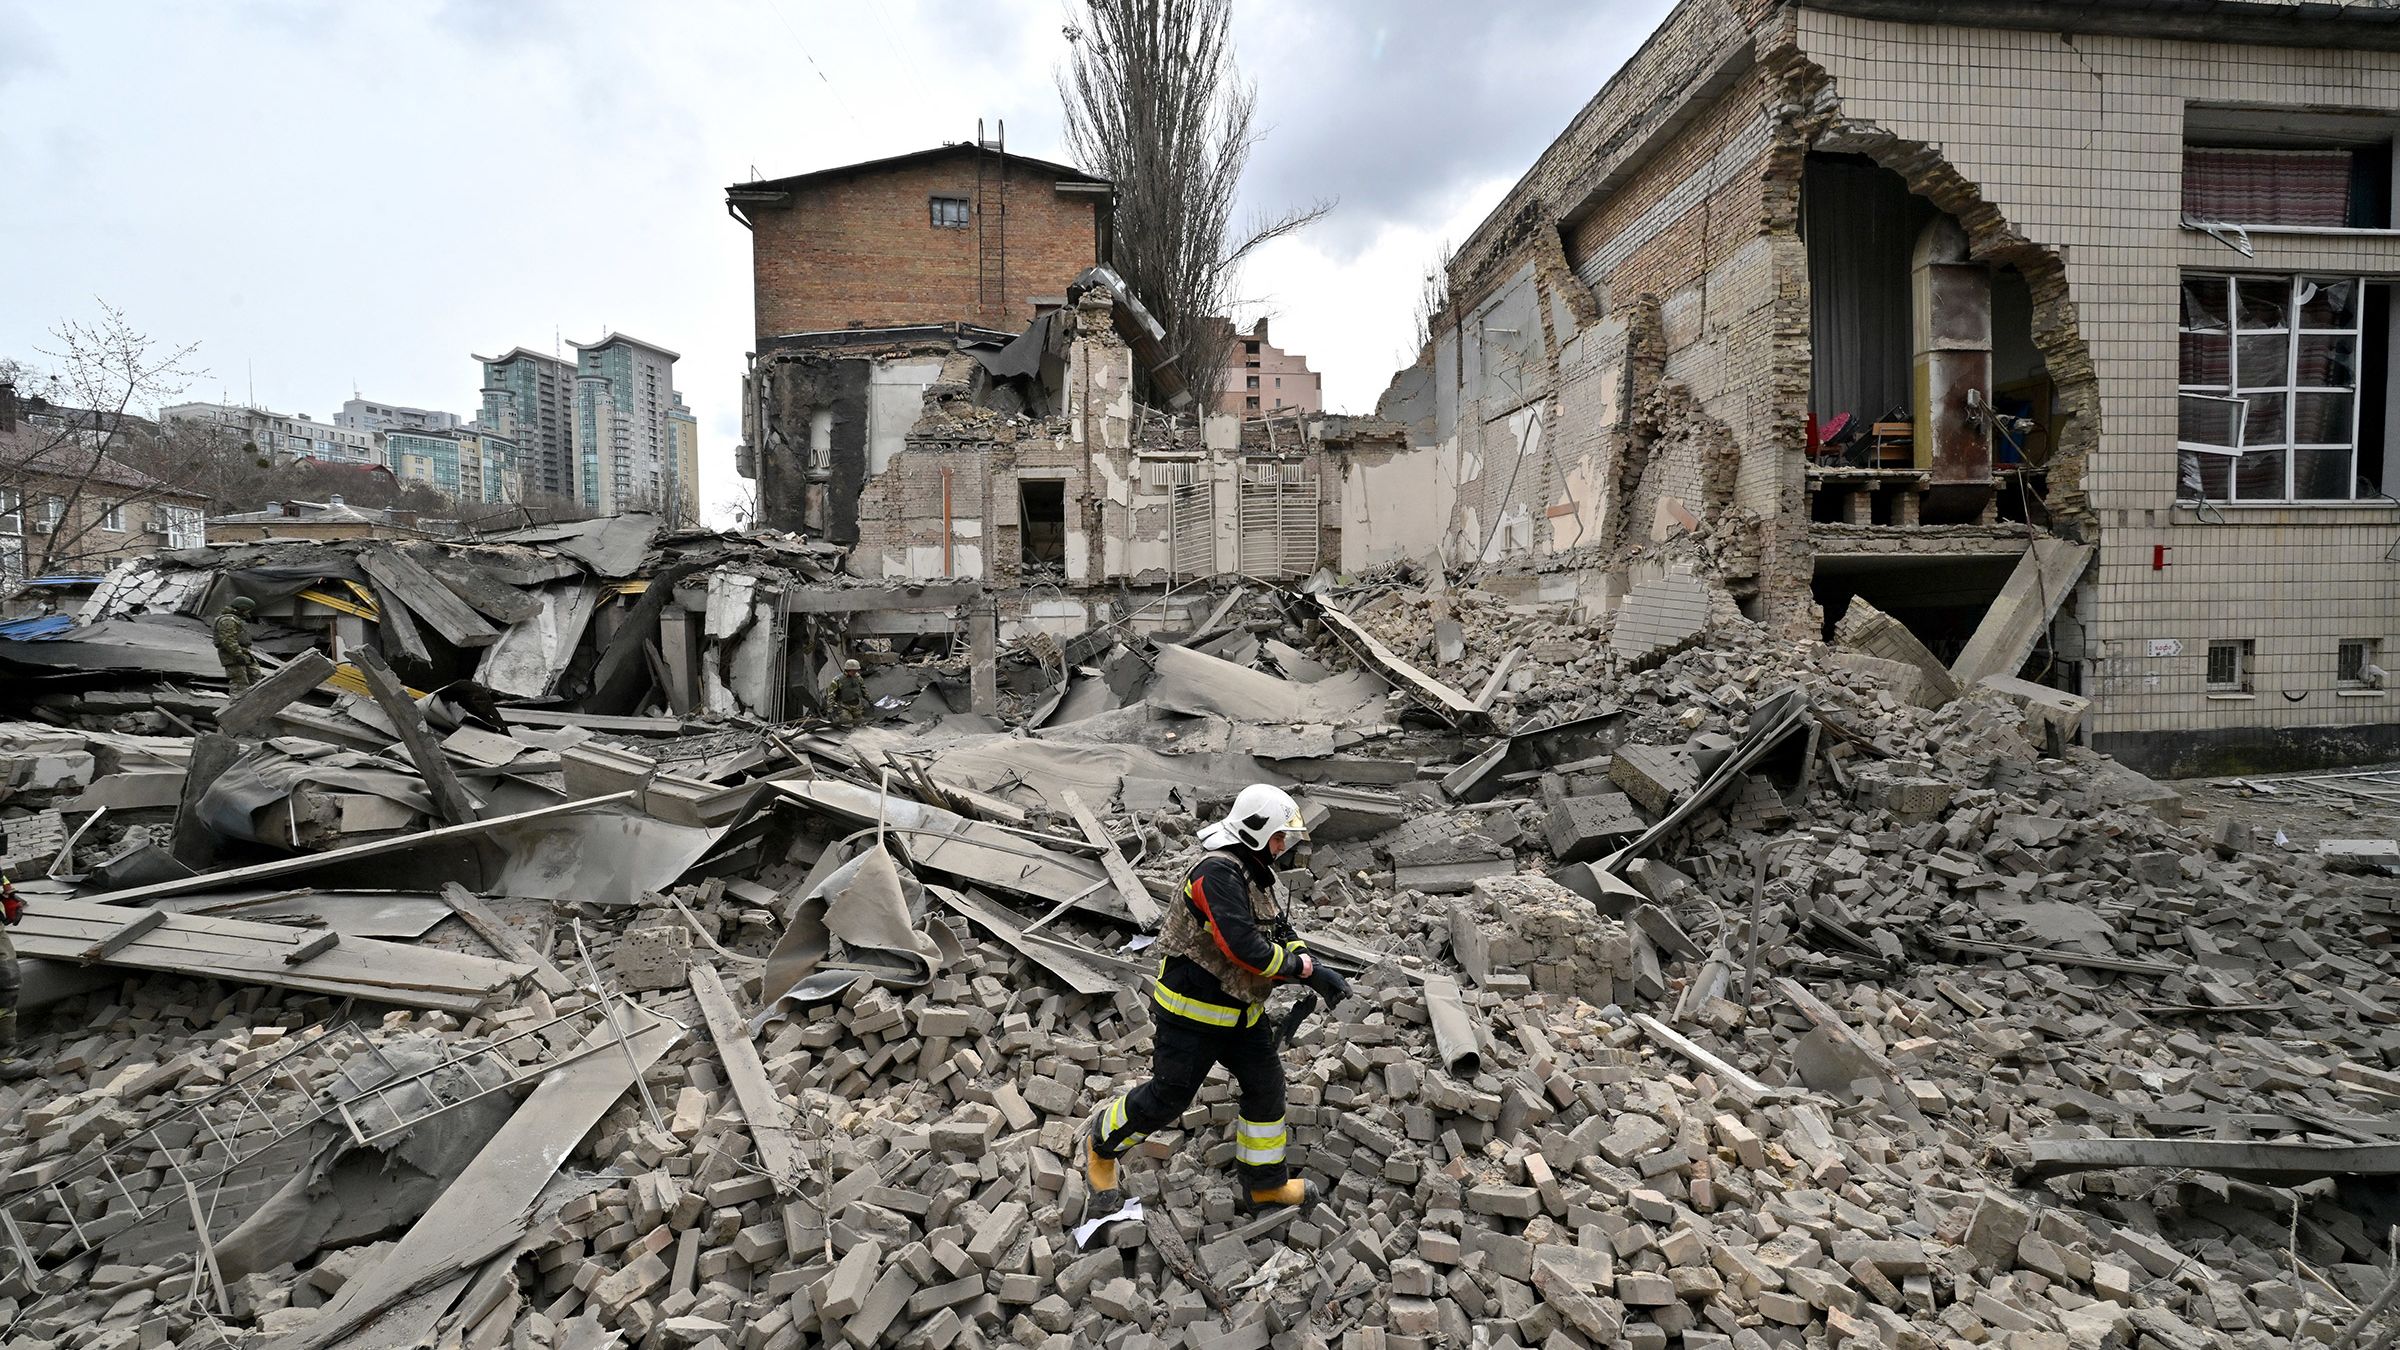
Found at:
[2282, 1163]
[1490, 693]
[397, 576]
[504, 939]
[399, 628]
[1007, 927]
[241, 951]
[451, 800]
[233, 878]
[194, 844]
[260, 702]
[556, 717]
[675, 647]
[1819, 1014]
[2121, 964]
[1455, 706]
[124, 937]
[316, 945]
[503, 604]
[770, 1126]
[1120, 873]
[1684, 1047]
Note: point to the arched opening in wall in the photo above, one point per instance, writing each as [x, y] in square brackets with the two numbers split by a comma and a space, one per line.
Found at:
[1929, 401]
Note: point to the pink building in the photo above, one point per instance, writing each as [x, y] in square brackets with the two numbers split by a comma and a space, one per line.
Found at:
[1262, 378]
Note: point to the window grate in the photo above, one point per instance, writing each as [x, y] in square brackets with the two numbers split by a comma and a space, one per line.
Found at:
[2229, 666]
[2352, 659]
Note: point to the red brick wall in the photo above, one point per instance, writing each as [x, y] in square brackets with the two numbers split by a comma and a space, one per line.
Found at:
[862, 251]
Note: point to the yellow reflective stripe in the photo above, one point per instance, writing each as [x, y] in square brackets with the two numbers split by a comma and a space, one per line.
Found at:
[1259, 1142]
[1214, 1014]
[1113, 1119]
[1275, 962]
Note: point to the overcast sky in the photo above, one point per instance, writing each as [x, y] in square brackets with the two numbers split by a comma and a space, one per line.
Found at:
[330, 195]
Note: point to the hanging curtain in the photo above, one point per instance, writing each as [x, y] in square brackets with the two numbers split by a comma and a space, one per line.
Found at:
[1860, 223]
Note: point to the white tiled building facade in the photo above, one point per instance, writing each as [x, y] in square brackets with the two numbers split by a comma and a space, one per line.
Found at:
[1641, 336]
[2080, 144]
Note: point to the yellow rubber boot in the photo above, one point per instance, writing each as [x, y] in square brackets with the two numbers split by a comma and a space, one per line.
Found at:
[1295, 1192]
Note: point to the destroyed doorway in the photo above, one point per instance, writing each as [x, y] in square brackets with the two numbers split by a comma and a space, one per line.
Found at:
[1042, 524]
[1939, 599]
[1279, 521]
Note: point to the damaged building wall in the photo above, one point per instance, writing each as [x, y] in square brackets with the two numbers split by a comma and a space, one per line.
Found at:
[1623, 323]
[1105, 493]
[2077, 142]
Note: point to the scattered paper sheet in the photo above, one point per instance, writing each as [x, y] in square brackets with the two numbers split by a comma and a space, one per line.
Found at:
[1085, 1230]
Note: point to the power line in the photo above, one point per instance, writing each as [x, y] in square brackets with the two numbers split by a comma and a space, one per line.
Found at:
[838, 100]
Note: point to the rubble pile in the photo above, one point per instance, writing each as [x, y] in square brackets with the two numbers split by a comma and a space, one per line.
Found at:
[1711, 991]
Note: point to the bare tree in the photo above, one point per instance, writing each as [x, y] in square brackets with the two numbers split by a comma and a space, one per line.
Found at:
[1155, 104]
[1433, 296]
[74, 424]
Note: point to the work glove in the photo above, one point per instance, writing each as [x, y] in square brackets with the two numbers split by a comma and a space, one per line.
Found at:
[1328, 983]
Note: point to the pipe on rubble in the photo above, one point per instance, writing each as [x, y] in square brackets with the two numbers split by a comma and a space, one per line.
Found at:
[1453, 1035]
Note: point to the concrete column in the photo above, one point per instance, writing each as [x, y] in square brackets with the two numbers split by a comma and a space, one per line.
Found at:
[983, 624]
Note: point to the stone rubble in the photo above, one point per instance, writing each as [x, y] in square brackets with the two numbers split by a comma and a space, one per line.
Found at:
[1765, 1085]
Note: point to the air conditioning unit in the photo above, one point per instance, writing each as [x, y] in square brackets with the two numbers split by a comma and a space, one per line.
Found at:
[38, 526]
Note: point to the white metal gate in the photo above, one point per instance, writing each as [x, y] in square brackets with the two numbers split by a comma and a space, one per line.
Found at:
[1278, 521]
[1192, 530]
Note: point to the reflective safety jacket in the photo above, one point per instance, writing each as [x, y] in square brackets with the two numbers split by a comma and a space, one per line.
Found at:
[1226, 944]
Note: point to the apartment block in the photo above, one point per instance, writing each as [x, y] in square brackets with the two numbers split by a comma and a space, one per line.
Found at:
[361, 414]
[288, 435]
[624, 439]
[529, 400]
[1260, 378]
[468, 464]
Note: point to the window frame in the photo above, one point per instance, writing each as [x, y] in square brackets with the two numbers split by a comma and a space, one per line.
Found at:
[2245, 657]
[2357, 679]
[934, 202]
[112, 518]
[2242, 387]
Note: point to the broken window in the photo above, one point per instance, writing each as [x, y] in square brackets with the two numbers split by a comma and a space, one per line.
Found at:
[1042, 523]
[2268, 378]
[2293, 170]
[2229, 666]
[949, 213]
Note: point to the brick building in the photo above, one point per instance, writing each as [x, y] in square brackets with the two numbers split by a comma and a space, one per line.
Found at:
[2086, 307]
[962, 233]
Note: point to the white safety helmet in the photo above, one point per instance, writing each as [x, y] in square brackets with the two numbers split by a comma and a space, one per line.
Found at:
[1261, 812]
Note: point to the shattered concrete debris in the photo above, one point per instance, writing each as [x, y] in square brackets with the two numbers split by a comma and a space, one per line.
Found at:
[1730, 994]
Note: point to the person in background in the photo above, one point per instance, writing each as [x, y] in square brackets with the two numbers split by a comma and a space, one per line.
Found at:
[847, 699]
[233, 645]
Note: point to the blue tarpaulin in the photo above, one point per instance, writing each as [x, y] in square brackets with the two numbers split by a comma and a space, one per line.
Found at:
[39, 628]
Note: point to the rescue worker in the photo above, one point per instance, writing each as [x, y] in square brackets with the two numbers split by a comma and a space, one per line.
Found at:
[12, 910]
[1225, 945]
[847, 699]
[233, 645]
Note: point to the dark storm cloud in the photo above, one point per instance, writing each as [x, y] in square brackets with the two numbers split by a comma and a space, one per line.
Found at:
[1392, 105]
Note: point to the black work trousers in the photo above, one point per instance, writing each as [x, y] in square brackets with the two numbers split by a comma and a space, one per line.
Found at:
[1182, 1053]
